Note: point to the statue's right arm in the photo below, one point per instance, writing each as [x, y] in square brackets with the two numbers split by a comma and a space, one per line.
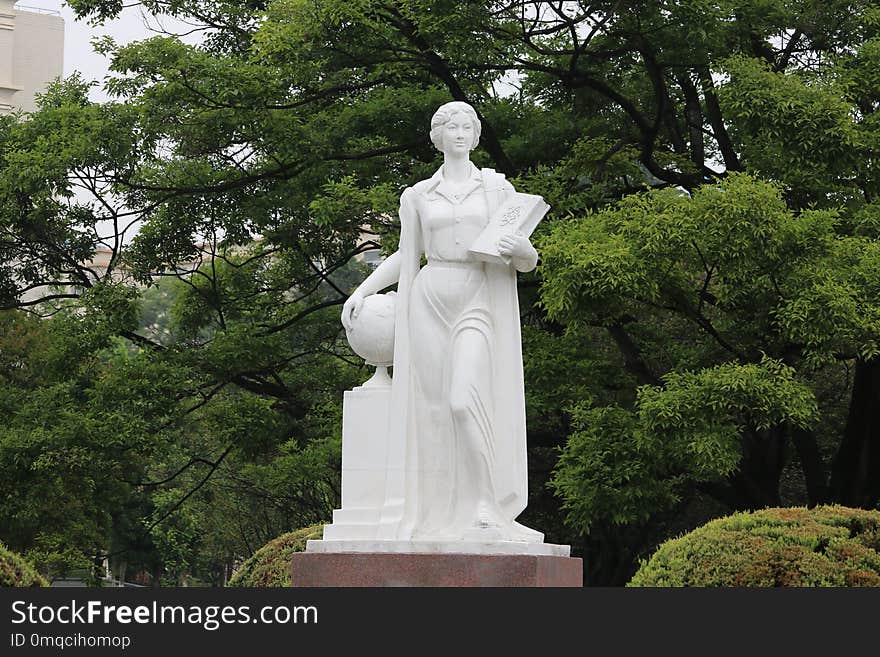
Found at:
[388, 272]
[385, 275]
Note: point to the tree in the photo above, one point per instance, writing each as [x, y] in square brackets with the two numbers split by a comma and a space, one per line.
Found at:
[709, 289]
[252, 161]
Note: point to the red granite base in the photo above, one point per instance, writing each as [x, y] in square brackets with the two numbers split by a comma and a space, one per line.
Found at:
[321, 569]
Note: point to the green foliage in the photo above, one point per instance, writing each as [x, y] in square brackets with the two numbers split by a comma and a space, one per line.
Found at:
[740, 305]
[760, 395]
[708, 282]
[270, 565]
[602, 472]
[824, 546]
[623, 466]
[795, 127]
[715, 252]
[561, 368]
[16, 572]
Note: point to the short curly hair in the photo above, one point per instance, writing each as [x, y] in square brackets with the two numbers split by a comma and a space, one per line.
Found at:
[442, 116]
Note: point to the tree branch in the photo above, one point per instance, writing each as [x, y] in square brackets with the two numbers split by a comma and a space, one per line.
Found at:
[193, 491]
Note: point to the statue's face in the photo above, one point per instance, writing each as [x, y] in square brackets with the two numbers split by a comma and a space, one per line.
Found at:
[458, 135]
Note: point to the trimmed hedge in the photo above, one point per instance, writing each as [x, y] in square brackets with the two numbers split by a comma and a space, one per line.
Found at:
[16, 572]
[825, 546]
[270, 565]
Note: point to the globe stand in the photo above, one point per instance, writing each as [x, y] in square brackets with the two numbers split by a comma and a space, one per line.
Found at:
[380, 378]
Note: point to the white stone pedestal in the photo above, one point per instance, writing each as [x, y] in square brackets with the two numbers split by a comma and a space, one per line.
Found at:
[365, 412]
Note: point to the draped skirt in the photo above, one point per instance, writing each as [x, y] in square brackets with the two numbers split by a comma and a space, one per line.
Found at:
[451, 338]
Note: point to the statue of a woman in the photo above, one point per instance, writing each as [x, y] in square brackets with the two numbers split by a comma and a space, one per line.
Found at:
[457, 437]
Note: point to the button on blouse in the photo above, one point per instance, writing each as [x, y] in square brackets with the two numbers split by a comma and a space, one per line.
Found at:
[450, 225]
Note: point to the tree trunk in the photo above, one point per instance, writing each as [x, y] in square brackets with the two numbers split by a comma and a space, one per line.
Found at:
[632, 357]
[120, 571]
[764, 458]
[716, 120]
[855, 475]
[609, 559]
[812, 465]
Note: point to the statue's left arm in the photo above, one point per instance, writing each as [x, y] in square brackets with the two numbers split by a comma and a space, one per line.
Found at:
[524, 258]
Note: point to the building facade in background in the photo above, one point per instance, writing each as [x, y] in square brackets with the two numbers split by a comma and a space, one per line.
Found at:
[31, 54]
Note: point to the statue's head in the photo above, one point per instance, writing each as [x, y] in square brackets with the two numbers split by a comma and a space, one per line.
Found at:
[454, 121]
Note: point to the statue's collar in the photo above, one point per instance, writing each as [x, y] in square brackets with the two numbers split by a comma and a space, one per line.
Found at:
[454, 193]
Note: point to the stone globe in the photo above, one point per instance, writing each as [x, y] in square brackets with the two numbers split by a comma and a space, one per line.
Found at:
[372, 332]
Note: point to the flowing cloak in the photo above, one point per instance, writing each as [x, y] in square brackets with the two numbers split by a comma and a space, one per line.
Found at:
[509, 417]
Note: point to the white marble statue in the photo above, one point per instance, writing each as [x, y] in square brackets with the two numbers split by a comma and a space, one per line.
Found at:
[434, 460]
[456, 435]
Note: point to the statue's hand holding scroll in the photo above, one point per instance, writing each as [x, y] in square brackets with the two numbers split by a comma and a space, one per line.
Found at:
[515, 245]
[519, 248]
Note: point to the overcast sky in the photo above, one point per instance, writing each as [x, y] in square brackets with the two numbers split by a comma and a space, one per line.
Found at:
[132, 25]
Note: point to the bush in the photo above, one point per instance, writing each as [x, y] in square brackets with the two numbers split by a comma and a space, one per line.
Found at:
[15, 571]
[825, 546]
[270, 565]
[59, 562]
